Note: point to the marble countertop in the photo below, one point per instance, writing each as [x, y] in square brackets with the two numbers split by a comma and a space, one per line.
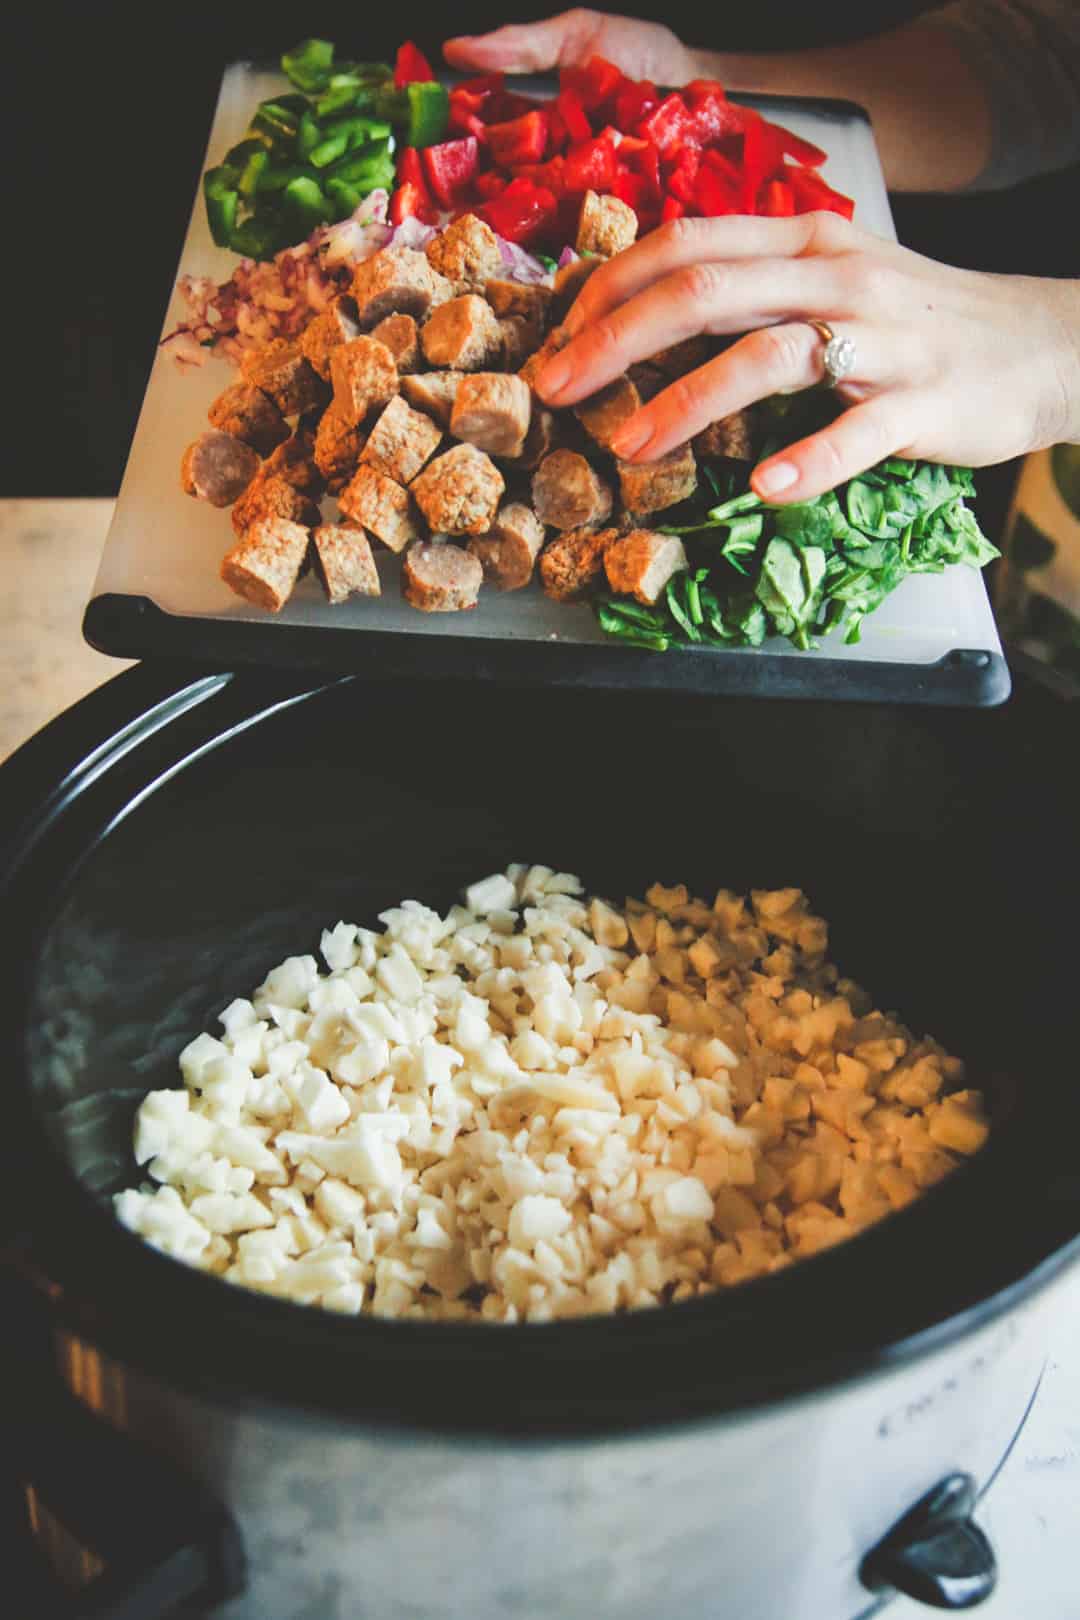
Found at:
[49, 554]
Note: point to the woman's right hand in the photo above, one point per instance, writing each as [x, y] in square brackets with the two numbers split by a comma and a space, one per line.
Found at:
[643, 50]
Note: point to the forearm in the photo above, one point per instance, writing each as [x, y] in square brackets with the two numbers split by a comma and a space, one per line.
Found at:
[930, 111]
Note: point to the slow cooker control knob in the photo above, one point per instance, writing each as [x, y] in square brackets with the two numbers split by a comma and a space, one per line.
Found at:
[936, 1554]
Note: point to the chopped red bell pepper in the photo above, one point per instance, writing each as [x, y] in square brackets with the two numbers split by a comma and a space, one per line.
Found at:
[776, 199]
[763, 155]
[522, 140]
[410, 170]
[490, 184]
[596, 82]
[699, 88]
[802, 151]
[521, 212]
[811, 193]
[671, 208]
[466, 107]
[549, 174]
[481, 84]
[682, 177]
[411, 201]
[714, 196]
[411, 66]
[714, 118]
[630, 188]
[729, 171]
[634, 102]
[449, 169]
[503, 105]
[644, 159]
[668, 126]
[590, 166]
[571, 109]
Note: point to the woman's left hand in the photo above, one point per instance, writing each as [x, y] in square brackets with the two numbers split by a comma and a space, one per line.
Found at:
[950, 365]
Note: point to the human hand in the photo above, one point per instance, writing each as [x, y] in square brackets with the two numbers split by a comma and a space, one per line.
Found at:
[950, 365]
[643, 50]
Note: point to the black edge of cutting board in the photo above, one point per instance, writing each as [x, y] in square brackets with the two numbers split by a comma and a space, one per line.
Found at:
[135, 627]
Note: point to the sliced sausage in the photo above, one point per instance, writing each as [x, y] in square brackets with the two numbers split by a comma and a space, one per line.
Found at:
[570, 563]
[569, 282]
[327, 332]
[603, 414]
[273, 497]
[492, 411]
[606, 225]
[541, 439]
[434, 393]
[365, 377]
[338, 443]
[343, 562]
[401, 441]
[251, 416]
[653, 486]
[508, 552]
[461, 334]
[556, 339]
[567, 493]
[381, 506]
[217, 468]
[397, 281]
[459, 492]
[265, 563]
[524, 300]
[466, 253]
[401, 335]
[647, 379]
[640, 563]
[440, 578]
[520, 338]
[295, 462]
[281, 371]
[682, 357]
[732, 438]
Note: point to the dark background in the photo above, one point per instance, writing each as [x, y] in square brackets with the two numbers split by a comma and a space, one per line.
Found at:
[107, 110]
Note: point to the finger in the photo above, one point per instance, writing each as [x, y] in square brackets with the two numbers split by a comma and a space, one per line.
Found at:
[771, 360]
[516, 48]
[683, 243]
[702, 298]
[856, 440]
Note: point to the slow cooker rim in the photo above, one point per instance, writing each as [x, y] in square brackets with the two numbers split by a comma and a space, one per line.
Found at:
[36, 765]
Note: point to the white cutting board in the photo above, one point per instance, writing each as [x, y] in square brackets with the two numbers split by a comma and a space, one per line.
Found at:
[166, 548]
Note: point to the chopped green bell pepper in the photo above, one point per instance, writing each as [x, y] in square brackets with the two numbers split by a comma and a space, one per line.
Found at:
[306, 207]
[329, 151]
[222, 199]
[428, 112]
[276, 120]
[309, 64]
[308, 135]
[345, 198]
[257, 162]
[259, 237]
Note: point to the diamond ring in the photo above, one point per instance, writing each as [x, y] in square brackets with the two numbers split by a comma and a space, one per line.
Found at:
[838, 356]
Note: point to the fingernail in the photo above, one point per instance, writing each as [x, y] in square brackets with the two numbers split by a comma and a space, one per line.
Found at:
[554, 377]
[629, 440]
[777, 476]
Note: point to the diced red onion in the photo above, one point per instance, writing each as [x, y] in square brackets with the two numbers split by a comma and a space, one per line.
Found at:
[567, 256]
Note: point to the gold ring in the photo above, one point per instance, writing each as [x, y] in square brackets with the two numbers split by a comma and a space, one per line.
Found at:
[838, 357]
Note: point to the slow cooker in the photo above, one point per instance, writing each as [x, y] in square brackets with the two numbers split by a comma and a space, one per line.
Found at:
[796, 1448]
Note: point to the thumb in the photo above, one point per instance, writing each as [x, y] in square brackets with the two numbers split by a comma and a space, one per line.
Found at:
[517, 48]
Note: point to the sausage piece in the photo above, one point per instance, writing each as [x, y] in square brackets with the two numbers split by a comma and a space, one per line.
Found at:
[381, 506]
[320, 337]
[556, 339]
[732, 437]
[520, 338]
[338, 443]
[541, 439]
[295, 462]
[606, 225]
[567, 493]
[343, 562]
[461, 334]
[265, 563]
[570, 563]
[603, 414]
[273, 497]
[217, 468]
[401, 335]
[466, 253]
[440, 578]
[251, 416]
[653, 486]
[640, 563]
[492, 411]
[523, 300]
[397, 281]
[682, 357]
[281, 371]
[459, 492]
[401, 441]
[569, 282]
[508, 552]
[433, 392]
[365, 377]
